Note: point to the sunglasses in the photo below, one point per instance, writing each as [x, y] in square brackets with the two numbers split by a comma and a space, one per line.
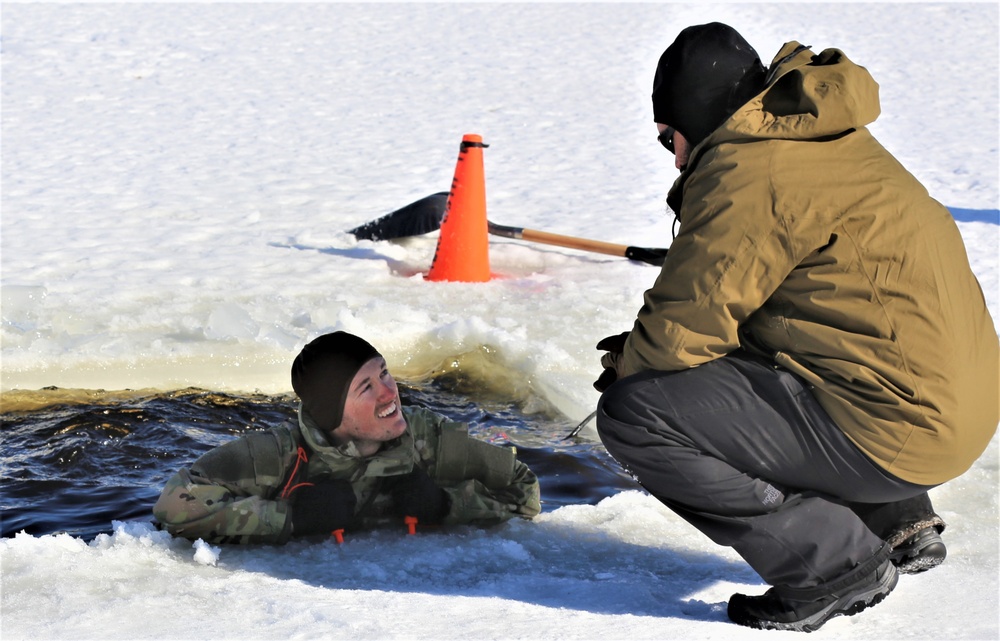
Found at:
[666, 139]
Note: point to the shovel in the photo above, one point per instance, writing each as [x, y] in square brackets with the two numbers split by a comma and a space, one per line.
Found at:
[425, 215]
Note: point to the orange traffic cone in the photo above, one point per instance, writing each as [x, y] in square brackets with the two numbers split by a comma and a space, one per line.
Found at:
[463, 252]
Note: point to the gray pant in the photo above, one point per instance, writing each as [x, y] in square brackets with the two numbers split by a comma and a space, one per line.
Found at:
[744, 452]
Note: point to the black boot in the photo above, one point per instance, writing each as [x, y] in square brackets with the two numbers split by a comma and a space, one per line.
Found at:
[922, 551]
[911, 528]
[807, 609]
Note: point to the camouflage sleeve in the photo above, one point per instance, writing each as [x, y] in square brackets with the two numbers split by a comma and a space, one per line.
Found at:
[473, 502]
[196, 508]
[226, 496]
[486, 483]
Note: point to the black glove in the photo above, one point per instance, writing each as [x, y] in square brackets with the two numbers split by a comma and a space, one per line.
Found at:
[322, 508]
[608, 376]
[415, 494]
[614, 345]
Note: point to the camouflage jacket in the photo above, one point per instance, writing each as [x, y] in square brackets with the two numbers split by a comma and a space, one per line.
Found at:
[231, 493]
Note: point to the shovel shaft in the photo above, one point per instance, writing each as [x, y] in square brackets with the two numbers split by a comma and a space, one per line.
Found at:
[651, 256]
[547, 238]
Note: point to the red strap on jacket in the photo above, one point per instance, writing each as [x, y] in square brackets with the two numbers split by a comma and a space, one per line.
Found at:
[292, 484]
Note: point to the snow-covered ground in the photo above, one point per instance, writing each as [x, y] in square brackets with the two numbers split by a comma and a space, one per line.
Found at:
[177, 182]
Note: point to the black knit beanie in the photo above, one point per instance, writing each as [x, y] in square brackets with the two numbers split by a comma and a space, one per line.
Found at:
[708, 73]
[322, 374]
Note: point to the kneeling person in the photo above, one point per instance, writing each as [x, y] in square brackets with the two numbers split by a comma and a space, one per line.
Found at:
[357, 459]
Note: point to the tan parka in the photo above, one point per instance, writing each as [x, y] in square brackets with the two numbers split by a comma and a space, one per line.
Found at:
[801, 238]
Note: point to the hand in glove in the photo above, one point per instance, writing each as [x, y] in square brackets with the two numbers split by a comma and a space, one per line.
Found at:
[612, 360]
[415, 494]
[323, 507]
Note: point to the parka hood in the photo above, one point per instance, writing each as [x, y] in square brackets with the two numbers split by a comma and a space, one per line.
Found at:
[807, 97]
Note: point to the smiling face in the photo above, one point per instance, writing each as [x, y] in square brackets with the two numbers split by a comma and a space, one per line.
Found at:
[372, 413]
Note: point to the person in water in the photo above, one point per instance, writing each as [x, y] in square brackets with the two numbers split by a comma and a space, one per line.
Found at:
[355, 459]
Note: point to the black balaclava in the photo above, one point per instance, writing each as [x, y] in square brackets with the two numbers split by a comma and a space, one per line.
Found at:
[322, 374]
[708, 73]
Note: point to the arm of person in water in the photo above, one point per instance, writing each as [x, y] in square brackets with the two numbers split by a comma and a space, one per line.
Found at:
[486, 483]
[230, 494]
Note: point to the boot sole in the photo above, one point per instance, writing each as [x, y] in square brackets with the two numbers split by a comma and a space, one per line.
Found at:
[847, 605]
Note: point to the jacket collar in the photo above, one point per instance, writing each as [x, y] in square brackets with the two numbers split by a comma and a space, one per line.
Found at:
[396, 456]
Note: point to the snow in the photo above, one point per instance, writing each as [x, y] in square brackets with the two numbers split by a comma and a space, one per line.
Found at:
[177, 182]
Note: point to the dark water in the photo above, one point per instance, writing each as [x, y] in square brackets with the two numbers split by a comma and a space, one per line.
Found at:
[75, 466]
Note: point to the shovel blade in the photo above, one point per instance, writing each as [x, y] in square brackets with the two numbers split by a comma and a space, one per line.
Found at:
[417, 218]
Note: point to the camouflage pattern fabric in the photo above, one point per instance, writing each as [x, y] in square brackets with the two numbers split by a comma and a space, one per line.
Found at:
[233, 493]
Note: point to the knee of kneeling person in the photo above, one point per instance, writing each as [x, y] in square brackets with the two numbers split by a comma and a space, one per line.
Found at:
[615, 407]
